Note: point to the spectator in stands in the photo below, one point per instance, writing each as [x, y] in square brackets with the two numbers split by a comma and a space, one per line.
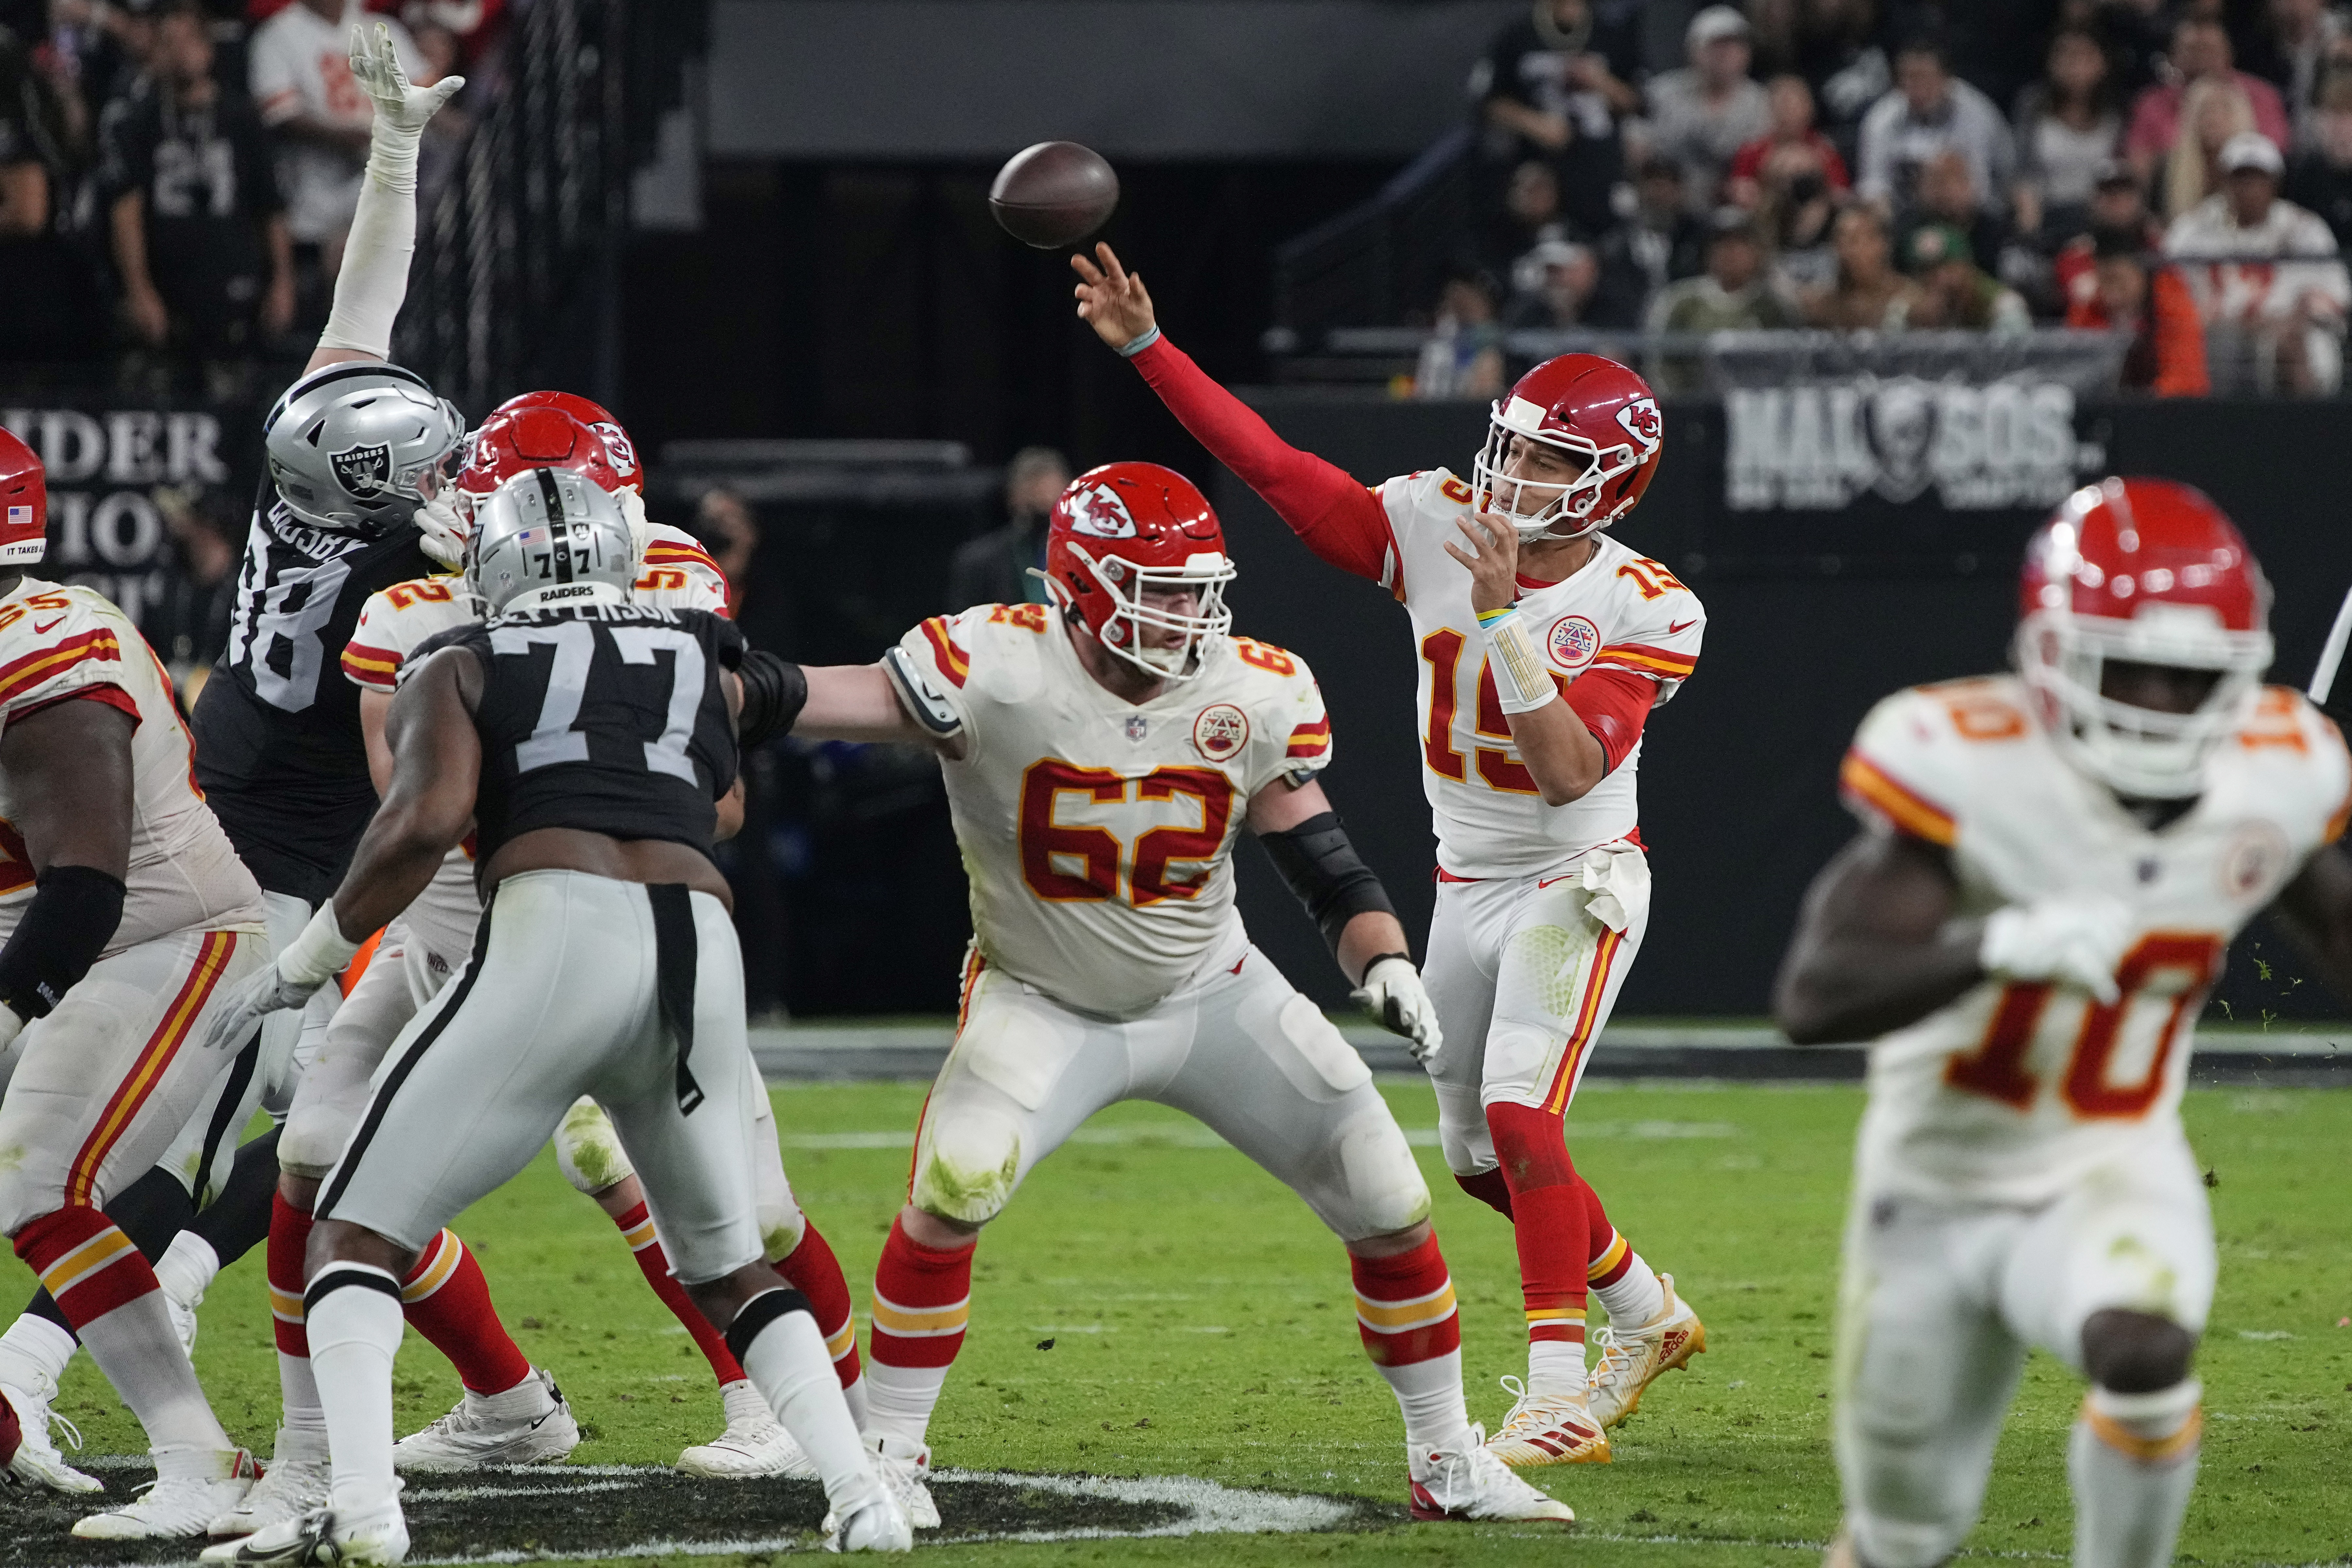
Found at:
[1660, 241]
[1928, 111]
[994, 568]
[2290, 49]
[1530, 214]
[187, 624]
[2132, 289]
[1834, 46]
[2319, 179]
[1553, 86]
[1734, 294]
[1946, 193]
[2200, 53]
[300, 69]
[1702, 115]
[1464, 357]
[53, 311]
[101, 48]
[2068, 127]
[2269, 283]
[2118, 209]
[1955, 293]
[2212, 112]
[1796, 222]
[1553, 287]
[1788, 151]
[1867, 294]
[445, 134]
[2136, 38]
[199, 235]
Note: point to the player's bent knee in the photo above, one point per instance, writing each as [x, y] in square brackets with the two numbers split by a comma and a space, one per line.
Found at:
[314, 1139]
[1882, 1542]
[22, 1202]
[588, 1151]
[2130, 1352]
[967, 1167]
[781, 1226]
[1385, 1191]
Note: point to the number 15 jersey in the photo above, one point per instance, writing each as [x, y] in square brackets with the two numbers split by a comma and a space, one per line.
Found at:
[1098, 833]
[2014, 1090]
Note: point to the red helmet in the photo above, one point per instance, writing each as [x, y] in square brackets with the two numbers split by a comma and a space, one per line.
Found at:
[515, 443]
[24, 503]
[1597, 411]
[1126, 528]
[618, 447]
[2152, 572]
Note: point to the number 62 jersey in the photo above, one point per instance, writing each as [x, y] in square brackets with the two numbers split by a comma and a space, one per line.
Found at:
[2014, 1092]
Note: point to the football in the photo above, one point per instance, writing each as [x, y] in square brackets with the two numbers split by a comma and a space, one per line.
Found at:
[1054, 193]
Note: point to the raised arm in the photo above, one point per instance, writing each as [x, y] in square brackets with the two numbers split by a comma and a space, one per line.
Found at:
[1338, 517]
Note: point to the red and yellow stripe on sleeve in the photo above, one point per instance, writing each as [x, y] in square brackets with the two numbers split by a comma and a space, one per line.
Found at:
[953, 662]
[1642, 659]
[1860, 779]
[1311, 740]
[23, 674]
[669, 553]
[377, 668]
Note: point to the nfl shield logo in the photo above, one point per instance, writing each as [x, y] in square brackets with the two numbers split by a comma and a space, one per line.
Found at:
[1137, 727]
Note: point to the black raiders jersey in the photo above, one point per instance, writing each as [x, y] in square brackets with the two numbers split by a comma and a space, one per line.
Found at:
[607, 717]
[279, 754]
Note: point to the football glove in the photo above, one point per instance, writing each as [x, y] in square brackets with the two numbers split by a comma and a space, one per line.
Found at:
[1397, 1000]
[2070, 940]
[310, 961]
[401, 109]
[444, 531]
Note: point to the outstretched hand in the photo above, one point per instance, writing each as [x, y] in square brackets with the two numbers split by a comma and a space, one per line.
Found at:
[1111, 299]
[376, 67]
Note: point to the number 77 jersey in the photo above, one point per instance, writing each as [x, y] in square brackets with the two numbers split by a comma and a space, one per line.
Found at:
[2012, 1092]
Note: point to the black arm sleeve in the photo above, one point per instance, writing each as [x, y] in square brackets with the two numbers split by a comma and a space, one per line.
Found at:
[67, 924]
[774, 691]
[1324, 870]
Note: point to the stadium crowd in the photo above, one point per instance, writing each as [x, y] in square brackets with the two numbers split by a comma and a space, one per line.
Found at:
[2181, 170]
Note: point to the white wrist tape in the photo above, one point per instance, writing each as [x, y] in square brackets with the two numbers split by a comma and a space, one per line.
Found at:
[320, 953]
[375, 278]
[1521, 682]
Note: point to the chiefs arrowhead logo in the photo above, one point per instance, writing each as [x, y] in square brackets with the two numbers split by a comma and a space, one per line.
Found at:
[1102, 512]
[1639, 418]
[618, 449]
[363, 470]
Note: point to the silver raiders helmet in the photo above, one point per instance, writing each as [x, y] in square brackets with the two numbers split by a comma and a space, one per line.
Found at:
[549, 536]
[356, 448]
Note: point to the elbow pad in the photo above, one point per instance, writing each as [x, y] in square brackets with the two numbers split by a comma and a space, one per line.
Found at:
[1327, 875]
[923, 702]
[774, 691]
[72, 918]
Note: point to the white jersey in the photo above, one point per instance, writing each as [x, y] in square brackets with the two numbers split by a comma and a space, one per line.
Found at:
[2012, 1093]
[1620, 611]
[675, 573]
[70, 642]
[300, 63]
[1098, 833]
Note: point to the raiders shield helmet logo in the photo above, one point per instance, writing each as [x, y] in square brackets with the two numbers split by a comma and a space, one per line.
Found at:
[363, 470]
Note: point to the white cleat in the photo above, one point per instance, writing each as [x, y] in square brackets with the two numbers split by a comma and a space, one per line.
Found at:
[530, 1423]
[754, 1444]
[1465, 1481]
[326, 1537]
[38, 1463]
[295, 1487]
[905, 1467]
[1632, 1359]
[177, 1507]
[1549, 1430]
[878, 1526]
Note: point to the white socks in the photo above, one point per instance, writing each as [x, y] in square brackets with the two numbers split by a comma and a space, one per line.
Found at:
[899, 1399]
[187, 1268]
[355, 1326]
[135, 1347]
[1555, 1367]
[2133, 1461]
[1636, 1298]
[861, 1409]
[1429, 1393]
[787, 1358]
[33, 1353]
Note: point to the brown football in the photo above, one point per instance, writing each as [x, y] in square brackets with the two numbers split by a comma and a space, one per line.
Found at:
[1054, 193]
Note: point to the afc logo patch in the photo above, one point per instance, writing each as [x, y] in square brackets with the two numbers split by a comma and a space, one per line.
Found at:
[363, 470]
[1220, 731]
[1100, 512]
[2253, 860]
[1573, 641]
[1641, 420]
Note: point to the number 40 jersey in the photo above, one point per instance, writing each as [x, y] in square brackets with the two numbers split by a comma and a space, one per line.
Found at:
[1098, 833]
[2014, 1092]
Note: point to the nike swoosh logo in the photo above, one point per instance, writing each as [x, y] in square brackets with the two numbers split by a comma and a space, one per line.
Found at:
[41, 631]
[1675, 626]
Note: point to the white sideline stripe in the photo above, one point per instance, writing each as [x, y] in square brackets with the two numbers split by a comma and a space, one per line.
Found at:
[470, 1494]
[1199, 1137]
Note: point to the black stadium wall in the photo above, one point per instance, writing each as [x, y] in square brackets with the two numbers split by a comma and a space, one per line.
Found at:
[1811, 617]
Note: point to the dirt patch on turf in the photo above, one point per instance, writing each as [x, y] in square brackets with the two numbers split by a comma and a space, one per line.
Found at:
[588, 1511]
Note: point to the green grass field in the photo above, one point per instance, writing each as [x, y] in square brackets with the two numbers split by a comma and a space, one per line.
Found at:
[1201, 1325]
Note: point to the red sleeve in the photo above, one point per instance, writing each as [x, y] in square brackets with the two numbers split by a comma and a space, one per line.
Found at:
[1338, 519]
[1612, 703]
[2180, 370]
[1749, 158]
[1833, 167]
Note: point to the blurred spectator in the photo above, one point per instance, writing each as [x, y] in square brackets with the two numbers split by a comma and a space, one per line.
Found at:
[445, 133]
[53, 310]
[2290, 49]
[1553, 287]
[1955, 293]
[302, 79]
[1796, 224]
[994, 568]
[473, 25]
[1553, 86]
[1867, 294]
[2134, 35]
[101, 48]
[2200, 53]
[1834, 46]
[2118, 209]
[199, 234]
[2269, 283]
[1946, 193]
[188, 623]
[1530, 214]
[1928, 111]
[1790, 150]
[1659, 242]
[2319, 178]
[2068, 127]
[2212, 112]
[2133, 290]
[1733, 295]
[1464, 357]
[1702, 115]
